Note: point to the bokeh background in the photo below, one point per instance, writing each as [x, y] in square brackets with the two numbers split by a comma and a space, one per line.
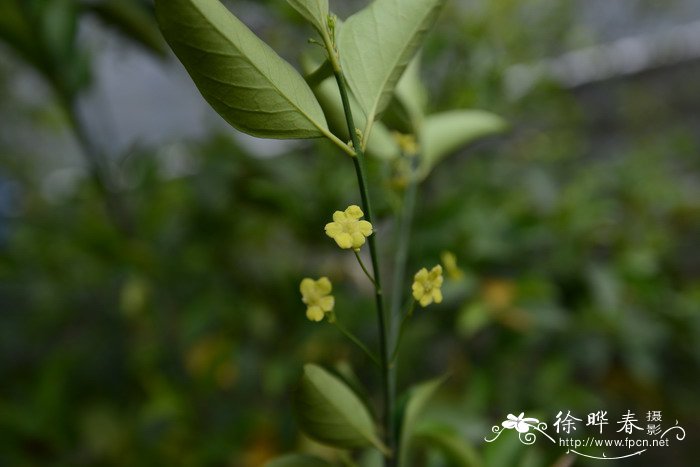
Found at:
[150, 255]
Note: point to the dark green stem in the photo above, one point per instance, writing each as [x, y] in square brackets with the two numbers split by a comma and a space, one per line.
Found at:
[364, 268]
[357, 342]
[384, 327]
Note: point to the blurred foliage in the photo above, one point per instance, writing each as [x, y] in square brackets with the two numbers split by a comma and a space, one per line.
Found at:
[576, 237]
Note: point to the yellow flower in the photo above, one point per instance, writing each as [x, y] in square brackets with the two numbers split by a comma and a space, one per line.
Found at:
[347, 229]
[426, 286]
[317, 297]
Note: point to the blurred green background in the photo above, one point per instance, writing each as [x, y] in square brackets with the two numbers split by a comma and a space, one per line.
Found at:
[150, 256]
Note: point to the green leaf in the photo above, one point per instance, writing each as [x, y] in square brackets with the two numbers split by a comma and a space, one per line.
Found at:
[445, 439]
[133, 20]
[331, 413]
[241, 77]
[297, 460]
[418, 397]
[381, 143]
[377, 44]
[314, 11]
[406, 111]
[447, 132]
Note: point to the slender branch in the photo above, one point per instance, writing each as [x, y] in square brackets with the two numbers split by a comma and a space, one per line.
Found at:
[359, 162]
[362, 265]
[357, 342]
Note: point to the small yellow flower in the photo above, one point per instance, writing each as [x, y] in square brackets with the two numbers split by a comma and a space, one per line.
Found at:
[450, 261]
[317, 297]
[347, 229]
[426, 286]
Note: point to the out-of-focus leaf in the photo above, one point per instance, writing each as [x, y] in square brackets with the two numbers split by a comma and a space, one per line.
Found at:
[376, 45]
[446, 132]
[314, 11]
[241, 77]
[59, 20]
[329, 412]
[406, 111]
[446, 440]
[133, 20]
[298, 460]
[419, 396]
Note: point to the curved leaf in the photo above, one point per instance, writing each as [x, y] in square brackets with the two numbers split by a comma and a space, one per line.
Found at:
[376, 45]
[419, 396]
[297, 460]
[241, 77]
[407, 108]
[314, 11]
[447, 132]
[329, 412]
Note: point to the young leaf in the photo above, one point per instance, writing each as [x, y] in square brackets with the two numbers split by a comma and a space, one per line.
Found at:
[297, 460]
[331, 413]
[314, 11]
[447, 132]
[377, 44]
[446, 440]
[418, 398]
[241, 77]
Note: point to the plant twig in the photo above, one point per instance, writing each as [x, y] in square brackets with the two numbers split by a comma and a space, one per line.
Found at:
[364, 269]
[357, 342]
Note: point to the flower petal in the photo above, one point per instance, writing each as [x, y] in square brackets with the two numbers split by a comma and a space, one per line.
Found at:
[344, 240]
[426, 300]
[354, 212]
[307, 287]
[327, 303]
[339, 216]
[323, 286]
[365, 228]
[333, 228]
[315, 313]
[522, 427]
[510, 424]
[357, 240]
[437, 295]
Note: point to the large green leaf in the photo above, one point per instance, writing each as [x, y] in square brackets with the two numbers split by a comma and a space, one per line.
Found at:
[377, 44]
[314, 11]
[329, 412]
[447, 132]
[406, 111]
[241, 77]
[455, 448]
[418, 397]
[297, 460]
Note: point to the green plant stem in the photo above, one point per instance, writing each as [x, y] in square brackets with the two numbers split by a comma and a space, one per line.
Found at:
[364, 269]
[356, 341]
[384, 326]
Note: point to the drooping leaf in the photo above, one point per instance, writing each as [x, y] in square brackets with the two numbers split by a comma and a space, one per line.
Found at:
[454, 447]
[418, 397]
[131, 19]
[376, 45]
[314, 11]
[241, 77]
[297, 460]
[447, 132]
[329, 412]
